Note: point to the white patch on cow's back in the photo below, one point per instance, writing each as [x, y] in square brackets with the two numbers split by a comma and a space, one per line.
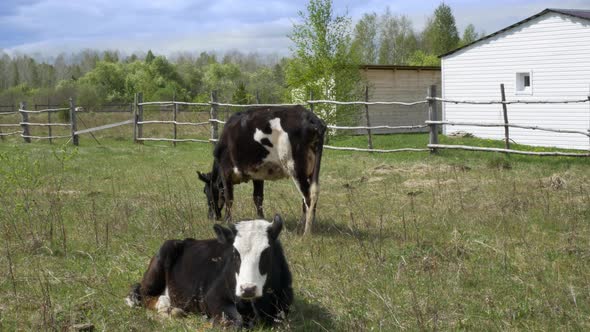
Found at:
[280, 155]
[251, 239]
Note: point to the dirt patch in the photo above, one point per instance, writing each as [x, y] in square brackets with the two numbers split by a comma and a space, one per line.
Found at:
[375, 179]
[413, 183]
[383, 169]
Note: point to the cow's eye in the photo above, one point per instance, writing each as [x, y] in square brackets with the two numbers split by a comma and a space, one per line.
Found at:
[237, 259]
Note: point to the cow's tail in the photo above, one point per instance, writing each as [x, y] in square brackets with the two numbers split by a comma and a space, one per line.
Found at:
[314, 188]
[318, 150]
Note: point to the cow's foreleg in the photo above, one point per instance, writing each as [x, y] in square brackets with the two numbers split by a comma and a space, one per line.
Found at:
[258, 197]
[303, 185]
[228, 188]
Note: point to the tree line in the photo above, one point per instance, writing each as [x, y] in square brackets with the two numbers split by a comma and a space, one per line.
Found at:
[326, 53]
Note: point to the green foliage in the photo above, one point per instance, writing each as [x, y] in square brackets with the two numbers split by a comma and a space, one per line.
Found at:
[324, 61]
[397, 39]
[241, 96]
[470, 35]
[440, 34]
[149, 57]
[223, 78]
[365, 38]
[16, 94]
[420, 58]
[109, 79]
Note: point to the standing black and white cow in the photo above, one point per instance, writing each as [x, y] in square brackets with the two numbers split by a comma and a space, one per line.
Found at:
[240, 278]
[267, 143]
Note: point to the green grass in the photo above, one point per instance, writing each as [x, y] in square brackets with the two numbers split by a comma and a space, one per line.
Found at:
[408, 241]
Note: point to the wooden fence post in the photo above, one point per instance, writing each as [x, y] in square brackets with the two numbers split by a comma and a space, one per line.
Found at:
[134, 113]
[505, 113]
[73, 122]
[25, 119]
[368, 119]
[139, 117]
[311, 98]
[213, 116]
[2, 136]
[257, 97]
[174, 116]
[432, 115]
[49, 131]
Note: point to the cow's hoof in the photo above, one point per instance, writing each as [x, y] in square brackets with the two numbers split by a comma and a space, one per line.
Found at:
[177, 313]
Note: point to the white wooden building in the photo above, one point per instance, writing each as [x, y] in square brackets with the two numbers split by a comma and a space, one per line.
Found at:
[544, 57]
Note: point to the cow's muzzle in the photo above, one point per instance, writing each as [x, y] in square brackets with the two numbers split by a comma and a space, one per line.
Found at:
[248, 291]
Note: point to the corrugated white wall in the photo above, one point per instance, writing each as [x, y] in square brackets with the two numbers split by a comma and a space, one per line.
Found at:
[556, 49]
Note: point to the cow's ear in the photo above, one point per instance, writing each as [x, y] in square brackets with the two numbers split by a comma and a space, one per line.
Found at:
[204, 177]
[276, 227]
[224, 234]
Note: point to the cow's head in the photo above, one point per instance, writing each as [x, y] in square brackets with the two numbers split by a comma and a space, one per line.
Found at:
[254, 244]
[214, 192]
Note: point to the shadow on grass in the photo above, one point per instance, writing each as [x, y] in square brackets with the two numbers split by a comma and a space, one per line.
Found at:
[329, 228]
[307, 316]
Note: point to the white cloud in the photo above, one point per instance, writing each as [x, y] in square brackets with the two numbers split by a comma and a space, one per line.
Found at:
[53, 26]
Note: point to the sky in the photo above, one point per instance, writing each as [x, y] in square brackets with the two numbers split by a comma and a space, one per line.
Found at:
[49, 27]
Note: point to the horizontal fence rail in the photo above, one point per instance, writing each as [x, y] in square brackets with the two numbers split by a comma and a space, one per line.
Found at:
[252, 105]
[107, 126]
[377, 127]
[531, 153]
[45, 124]
[10, 133]
[171, 103]
[431, 100]
[45, 137]
[507, 102]
[400, 103]
[498, 124]
[173, 139]
[346, 148]
[45, 110]
[174, 122]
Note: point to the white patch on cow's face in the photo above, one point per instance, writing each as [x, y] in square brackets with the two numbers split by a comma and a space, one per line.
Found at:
[279, 154]
[251, 239]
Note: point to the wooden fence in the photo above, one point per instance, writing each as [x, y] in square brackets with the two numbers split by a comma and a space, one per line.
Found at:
[433, 123]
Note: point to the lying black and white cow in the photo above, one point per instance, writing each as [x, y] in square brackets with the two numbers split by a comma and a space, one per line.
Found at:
[267, 143]
[240, 278]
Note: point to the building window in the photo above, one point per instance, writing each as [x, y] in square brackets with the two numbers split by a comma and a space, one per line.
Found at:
[524, 83]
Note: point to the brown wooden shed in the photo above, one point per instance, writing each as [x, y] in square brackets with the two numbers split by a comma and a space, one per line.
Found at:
[399, 83]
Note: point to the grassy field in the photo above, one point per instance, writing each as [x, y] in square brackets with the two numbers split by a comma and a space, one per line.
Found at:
[410, 241]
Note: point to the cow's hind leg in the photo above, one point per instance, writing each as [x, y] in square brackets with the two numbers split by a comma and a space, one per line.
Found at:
[314, 185]
[314, 190]
[258, 197]
[302, 183]
[153, 283]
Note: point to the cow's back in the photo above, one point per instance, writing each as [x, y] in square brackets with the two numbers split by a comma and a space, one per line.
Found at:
[194, 271]
[257, 141]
